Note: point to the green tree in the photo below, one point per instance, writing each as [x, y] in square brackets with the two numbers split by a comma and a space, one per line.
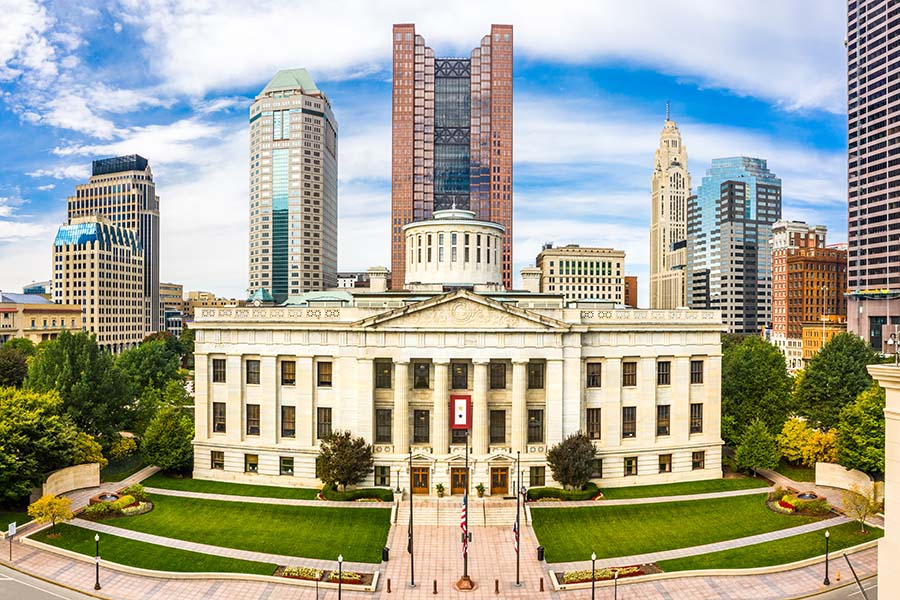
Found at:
[173, 343]
[152, 400]
[35, 438]
[572, 461]
[861, 432]
[755, 385]
[51, 509]
[187, 348]
[794, 436]
[150, 365]
[834, 378]
[821, 447]
[343, 460]
[167, 442]
[94, 392]
[757, 449]
[87, 450]
[13, 367]
[23, 345]
[858, 504]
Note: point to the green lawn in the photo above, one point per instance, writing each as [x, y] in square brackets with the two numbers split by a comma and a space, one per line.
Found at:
[687, 487]
[116, 471]
[779, 552]
[570, 534]
[797, 473]
[161, 480]
[306, 531]
[8, 516]
[148, 556]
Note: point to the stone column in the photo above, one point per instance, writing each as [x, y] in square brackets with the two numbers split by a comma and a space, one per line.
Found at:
[480, 408]
[519, 411]
[556, 403]
[202, 410]
[401, 406]
[440, 423]
[268, 401]
[888, 377]
[234, 407]
[306, 409]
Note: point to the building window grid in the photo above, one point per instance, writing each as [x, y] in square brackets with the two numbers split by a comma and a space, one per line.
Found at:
[459, 376]
[535, 426]
[498, 376]
[323, 422]
[421, 430]
[629, 374]
[286, 465]
[323, 374]
[288, 421]
[593, 375]
[663, 372]
[383, 432]
[218, 369]
[631, 466]
[253, 372]
[383, 476]
[697, 418]
[662, 419]
[218, 417]
[217, 460]
[592, 421]
[537, 476]
[383, 374]
[698, 460]
[535, 375]
[253, 419]
[288, 372]
[696, 371]
[629, 421]
[498, 427]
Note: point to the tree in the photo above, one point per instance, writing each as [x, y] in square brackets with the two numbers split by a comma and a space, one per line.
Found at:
[834, 378]
[755, 385]
[858, 505]
[187, 348]
[23, 345]
[35, 438]
[51, 509]
[152, 400]
[94, 392]
[167, 442]
[343, 460]
[173, 343]
[122, 447]
[572, 461]
[152, 364]
[860, 436]
[793, 438]
[820, 447]
[87, 450]
[13, 367]
[757, 449]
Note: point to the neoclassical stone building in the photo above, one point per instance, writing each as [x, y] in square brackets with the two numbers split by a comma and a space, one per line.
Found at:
[271, 381]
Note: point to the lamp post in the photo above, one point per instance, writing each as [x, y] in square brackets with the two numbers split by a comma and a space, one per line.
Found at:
[518, 526]
[340, 573]
[593, 575]
[616, 584]
[409, 535]
[827, 581]
[97, 560]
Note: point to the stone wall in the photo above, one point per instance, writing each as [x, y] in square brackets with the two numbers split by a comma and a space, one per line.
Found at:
[837, 476]
[72, 478]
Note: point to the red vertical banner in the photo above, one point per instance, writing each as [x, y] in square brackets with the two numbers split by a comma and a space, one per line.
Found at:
[460, 412]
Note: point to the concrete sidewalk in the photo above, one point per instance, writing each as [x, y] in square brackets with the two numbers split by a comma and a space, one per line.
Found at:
[264, 500]
[651, 500]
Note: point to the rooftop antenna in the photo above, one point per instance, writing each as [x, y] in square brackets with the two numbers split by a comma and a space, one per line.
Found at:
[667, 110]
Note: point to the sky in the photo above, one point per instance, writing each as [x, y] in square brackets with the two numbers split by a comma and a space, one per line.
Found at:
[173, 82]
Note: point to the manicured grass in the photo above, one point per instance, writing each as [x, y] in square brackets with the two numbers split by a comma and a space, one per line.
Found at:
[570, 534]
[796, 472]
[148, 556]
[161, 480]
[684, 488]
[8, 516]
[122, 469]
[779, 552]
[304, 531]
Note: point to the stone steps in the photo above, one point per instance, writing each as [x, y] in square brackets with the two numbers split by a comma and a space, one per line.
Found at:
[446, 512]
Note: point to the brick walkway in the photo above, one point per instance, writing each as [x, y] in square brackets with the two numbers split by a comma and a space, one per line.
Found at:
[652, 500]
[263, 500]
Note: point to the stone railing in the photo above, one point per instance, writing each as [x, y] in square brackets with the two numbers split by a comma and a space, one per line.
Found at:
[590, 315]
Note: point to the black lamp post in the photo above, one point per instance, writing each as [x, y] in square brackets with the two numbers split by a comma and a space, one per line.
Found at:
[340, 573]
[97, 560]
[593, 575]
[616, 584]
[827, 581]
[409, 534]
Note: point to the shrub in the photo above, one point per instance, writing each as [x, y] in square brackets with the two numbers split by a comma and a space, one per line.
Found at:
[97, 511]
[136, 509]
[137, 492]
[815, 508]
[329, 493]
[122, 447]
[345, 577]
[51, 509]
[303, 573]
[778, 493]
[587, 492]
[600, 574]
[121, 503]
[786, 504]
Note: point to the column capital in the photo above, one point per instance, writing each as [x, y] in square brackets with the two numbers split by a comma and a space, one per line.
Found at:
[520, 361]
[400, 361]
[362, 358]
[481, 361]
[441, 361]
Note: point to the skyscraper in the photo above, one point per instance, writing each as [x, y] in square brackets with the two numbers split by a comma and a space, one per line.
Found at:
[729, 228]
[293, 188]
[873, 228]
[452, 136]
[122, 191]
[670, 187]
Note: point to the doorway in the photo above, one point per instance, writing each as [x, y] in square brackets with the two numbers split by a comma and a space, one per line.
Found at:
[459, 481]
[420, 480]
[499, 481]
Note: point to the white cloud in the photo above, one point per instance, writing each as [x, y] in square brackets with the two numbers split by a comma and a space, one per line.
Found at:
[23, 45]
[76, 171]
[48, 187]
[117, 27]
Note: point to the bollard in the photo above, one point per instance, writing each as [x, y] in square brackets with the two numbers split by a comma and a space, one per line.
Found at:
[435, 587]
[389, 585]
[838, 578]
[542, 584]
[496, 586]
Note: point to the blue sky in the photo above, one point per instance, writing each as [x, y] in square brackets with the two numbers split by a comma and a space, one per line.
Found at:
[173, 81]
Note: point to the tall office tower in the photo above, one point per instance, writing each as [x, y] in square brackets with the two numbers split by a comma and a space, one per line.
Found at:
[293, 188]
[99, 265]
[670, 187]
[452, 137]
[873, 228]
[121, 190]
[729, 228]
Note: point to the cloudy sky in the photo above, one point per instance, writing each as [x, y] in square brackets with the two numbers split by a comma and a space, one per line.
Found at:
[173, 81]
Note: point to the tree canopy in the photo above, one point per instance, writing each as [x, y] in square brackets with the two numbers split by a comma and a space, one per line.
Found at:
[13, 367]
[757, 449]
[23, 345]
[861, 432]
[152, 364]
[343, 460]
[167, 442]
[572, 460]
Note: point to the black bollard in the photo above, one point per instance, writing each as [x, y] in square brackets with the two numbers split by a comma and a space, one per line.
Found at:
[389, 585]
[435, 587]
[496, 586]
[542, 584]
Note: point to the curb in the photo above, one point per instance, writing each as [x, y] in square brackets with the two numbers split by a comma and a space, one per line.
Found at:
[57, 584]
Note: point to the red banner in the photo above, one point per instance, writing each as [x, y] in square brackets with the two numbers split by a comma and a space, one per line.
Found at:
[460, 412]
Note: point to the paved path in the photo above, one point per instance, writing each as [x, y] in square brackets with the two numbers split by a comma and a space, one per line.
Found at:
[263, 500]
[80, 498]
[652, 500]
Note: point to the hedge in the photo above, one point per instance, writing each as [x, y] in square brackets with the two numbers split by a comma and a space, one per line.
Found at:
[589, 492]
[329, 493]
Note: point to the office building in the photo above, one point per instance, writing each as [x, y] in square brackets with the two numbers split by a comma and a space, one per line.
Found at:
[293, 187]
[873, 227]
[729, 256]
[582, 272]
[36, 318]
[670, 188]
[631, 291]
[815, 334]
[171, 295]
[200, 299]
[452, 136]
[40, 288]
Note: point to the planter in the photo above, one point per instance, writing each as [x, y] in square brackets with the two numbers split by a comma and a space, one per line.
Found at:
[605, 574]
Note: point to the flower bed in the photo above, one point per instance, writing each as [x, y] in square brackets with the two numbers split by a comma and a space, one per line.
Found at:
[346, 577]
[605, 574]
[307, 573]
[325, 576]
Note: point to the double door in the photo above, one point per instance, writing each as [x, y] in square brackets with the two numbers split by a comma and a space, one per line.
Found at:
[420, 478]
[459, 480]
[499, 481]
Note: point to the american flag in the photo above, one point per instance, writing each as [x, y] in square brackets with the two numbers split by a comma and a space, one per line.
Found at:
[463, 524]
[516, 533]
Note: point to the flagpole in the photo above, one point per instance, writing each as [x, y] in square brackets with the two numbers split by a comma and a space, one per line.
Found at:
[466, 501]
[518, 498]
[409, 542]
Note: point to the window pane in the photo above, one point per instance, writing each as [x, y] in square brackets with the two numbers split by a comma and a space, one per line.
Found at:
[217, 460]
[383, 374]
[253, 419]
[593, 375]
[287, 465]
[696, 371]
[288, 421]
[288, 372]
[535, 376]
[323, 424]
[537, 476]
[219, 417]
[629, 373]
[662, 419]
[324, 374]
[696, 418]
[218, 370]
[383, 425]
[460, 376]
[420, 427]
[597, 471]
[629, 421]
[253, 371]
[383, 476]
[251, 463]
[498, 426]
[535, 426]
[663, 372]
[593, 423]
[698, 460]
[498, 376]
[665, 463]
[631, 466]
[420, 376]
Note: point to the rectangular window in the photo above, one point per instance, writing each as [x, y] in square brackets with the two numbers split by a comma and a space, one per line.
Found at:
[253, 372]
[631, 467]
[253, 419]
[593, 375]
[383, 476]
[218, 370]
[537, 476]
[421, 376]
[498, 376]
[218, 417]
[458, 436]
[535, 426]
[420, 427]
[286, 465]
[459, 376]
[323, 374]
[383, 425]
[665, 463]
[217, 460]
[288, 421]
[251, 463]
[662, 419]
[288, 372]
[663, 372]
[383, 374]
[629, 374]
[597, 468]
[535, 376]
[698, 460]
[498, 426]
[696, 418]
[593, 423]
[696, 371]
[323, 422]
[629, 421]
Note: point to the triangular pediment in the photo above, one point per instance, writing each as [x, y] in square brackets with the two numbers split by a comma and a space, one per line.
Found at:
[462, 309]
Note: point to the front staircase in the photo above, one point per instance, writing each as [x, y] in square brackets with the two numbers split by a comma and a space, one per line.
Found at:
[483, 512]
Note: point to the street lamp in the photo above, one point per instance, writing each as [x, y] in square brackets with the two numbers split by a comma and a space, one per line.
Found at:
[827, 581]
[616, 584]
[340, 573]
[593, 575]
[97, 560]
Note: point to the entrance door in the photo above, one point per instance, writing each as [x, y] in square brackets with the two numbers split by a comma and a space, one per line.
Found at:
[458, 480]
[499, 481]
[420, 483]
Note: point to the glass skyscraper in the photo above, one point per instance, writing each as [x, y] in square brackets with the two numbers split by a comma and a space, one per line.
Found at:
[729, 228]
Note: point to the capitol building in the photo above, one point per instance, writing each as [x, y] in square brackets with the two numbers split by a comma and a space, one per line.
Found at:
[401, 368]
